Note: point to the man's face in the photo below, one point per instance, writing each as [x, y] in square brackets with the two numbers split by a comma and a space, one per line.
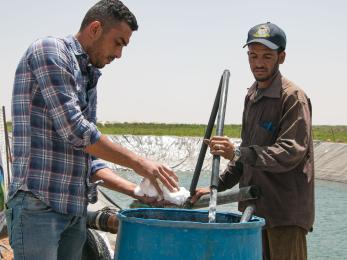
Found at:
[109, 45]
[263, 61]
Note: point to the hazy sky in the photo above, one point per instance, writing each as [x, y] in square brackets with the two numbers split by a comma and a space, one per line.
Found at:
[171, 69]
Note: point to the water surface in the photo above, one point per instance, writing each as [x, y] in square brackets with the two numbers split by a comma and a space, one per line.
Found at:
[329, 237]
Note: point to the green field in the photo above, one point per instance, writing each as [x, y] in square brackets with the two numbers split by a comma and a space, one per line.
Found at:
[163, 129]
[321, 132]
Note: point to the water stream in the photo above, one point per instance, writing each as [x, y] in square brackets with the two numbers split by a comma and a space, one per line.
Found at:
[213, 206]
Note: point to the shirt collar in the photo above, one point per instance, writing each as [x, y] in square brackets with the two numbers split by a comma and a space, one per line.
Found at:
[82, 57]
[76, 46]
[272, 91]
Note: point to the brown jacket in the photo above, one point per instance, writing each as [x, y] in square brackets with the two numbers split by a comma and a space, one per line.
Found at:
[277, 154]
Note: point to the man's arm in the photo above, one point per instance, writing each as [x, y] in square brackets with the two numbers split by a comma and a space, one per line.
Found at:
[291, 144]
[228, 179]
[222, 146]
[114, 182]
[50, 63]
[109, 151]
[231, 176]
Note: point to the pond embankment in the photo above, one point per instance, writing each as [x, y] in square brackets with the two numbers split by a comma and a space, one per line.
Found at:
[181, 153]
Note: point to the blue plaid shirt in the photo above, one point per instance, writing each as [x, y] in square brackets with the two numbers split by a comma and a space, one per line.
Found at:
[54, 119]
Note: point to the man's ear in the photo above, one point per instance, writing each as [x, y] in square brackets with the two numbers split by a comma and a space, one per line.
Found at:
[94, 30]
[282, 57]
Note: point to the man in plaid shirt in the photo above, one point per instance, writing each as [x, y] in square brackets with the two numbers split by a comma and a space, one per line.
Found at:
[55, 139]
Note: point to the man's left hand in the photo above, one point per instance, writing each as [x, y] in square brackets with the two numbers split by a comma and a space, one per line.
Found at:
[221, 145]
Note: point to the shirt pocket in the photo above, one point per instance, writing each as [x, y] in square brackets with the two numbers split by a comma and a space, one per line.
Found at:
[265, 133]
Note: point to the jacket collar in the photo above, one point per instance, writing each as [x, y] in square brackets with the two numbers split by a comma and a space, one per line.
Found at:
[272, 91]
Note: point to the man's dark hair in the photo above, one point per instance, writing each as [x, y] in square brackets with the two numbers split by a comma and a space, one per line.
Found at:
[108, 13]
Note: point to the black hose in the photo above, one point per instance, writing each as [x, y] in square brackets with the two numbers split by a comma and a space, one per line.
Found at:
[207, 135]
[104, 220]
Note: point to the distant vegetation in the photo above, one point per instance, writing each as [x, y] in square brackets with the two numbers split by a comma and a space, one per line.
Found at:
[321, 132]
[330, 133]
[163, 129]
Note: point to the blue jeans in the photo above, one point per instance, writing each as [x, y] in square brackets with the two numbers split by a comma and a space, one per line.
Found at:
[37, 232]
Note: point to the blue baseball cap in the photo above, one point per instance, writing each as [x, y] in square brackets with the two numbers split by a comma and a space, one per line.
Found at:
[268, 34]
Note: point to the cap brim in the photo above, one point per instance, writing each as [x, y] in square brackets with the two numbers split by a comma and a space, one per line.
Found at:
[265, 42]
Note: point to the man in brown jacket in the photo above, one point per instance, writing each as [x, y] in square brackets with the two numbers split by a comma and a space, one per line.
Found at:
[276, 152]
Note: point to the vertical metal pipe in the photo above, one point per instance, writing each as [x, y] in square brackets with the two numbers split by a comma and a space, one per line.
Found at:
[220, 126]
[207, 135]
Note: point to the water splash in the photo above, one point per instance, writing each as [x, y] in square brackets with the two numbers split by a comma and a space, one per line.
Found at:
[212, 207]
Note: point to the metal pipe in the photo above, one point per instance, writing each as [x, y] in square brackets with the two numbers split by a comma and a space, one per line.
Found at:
[230, 196]
[224, 197]
[220, 126]
[248, 213]
[104, 220]
[216, 158]
[207, 135]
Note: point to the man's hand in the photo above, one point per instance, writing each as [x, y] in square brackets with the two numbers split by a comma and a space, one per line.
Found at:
[109, 151]
[154, 202]
[198, 193]
[221, 145]
[157, 172]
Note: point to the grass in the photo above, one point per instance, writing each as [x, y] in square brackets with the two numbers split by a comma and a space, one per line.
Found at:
[330, 133]
[163, 129]
[320, 132]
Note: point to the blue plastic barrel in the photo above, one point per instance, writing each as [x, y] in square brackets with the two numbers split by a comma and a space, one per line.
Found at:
[167, 234]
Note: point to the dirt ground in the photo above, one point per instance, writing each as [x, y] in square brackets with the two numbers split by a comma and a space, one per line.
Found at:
[6, 251]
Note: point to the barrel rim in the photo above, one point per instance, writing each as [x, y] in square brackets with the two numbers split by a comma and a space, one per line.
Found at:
[257, 223]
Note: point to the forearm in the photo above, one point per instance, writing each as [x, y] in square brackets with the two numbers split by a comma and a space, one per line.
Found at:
[114, 182]
[230, 177]
[109, 151]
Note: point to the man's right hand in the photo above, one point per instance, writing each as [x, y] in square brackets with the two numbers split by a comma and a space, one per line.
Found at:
[198, 193]
[112, 152]
[157, 172]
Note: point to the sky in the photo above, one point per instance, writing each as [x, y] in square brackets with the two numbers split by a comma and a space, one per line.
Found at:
[170, 71]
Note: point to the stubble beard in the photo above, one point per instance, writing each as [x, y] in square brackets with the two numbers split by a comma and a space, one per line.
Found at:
[266, 78]
[273, 72]
[96, 55]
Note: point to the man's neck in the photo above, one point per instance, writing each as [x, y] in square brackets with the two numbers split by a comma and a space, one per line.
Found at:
[81, 39]
[266, 83]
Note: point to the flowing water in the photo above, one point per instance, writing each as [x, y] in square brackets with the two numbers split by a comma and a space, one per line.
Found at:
[329, 237]
[213, 206]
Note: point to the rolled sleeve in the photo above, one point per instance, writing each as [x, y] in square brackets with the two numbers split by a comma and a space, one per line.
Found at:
[53, 69]
[97, 164]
